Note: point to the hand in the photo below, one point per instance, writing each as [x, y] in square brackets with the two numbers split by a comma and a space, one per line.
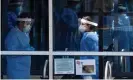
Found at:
[32, 48]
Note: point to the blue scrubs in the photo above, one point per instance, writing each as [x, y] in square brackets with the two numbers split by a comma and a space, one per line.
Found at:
[89, 42]
[18, 67]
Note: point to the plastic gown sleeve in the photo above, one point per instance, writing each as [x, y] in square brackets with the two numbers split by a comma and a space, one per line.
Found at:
[13, 44]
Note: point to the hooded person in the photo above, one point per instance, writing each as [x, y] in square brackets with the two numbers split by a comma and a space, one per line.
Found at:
[14, 10]
[123, 30]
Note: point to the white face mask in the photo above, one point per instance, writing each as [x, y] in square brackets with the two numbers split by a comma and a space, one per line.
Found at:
[82, 28]
[27, 28]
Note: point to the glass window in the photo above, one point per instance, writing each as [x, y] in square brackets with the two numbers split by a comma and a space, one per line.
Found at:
[66, 24]
[71, 35]
[39, 66]
[78, 25]
[118, 34]
[38, 32]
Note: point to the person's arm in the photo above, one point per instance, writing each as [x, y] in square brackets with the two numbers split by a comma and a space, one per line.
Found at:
[23, 46]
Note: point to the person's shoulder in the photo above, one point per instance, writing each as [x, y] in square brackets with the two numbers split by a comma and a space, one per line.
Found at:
[13, 32]
[92, 35]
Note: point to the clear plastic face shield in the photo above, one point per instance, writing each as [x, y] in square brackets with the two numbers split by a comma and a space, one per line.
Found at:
[122, 9]
[28, 22]
[83, 23]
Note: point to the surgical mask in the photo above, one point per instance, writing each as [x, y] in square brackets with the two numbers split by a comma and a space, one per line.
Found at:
[27, 28]
[82, 29]
[18, 10]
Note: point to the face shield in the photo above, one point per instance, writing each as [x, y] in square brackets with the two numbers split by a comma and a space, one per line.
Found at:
[82, 28]
[88, 22]
[122, 8]
[27, 23]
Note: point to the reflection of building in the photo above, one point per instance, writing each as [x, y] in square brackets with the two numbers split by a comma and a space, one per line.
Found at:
[92, 5]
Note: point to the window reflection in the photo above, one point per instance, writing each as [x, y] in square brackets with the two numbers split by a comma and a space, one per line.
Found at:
[66, 26]
[119, 35]
[67, 15]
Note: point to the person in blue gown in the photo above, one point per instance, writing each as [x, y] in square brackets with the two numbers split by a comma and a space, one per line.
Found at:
[89, 42]
[123, 30]
[66, 25]
[18, 67]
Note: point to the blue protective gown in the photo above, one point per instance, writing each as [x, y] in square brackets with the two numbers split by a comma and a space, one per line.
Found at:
[11, 20]
[123, 33]
[17, 40]
[70, 18]
[18, 67]
[66, 25]
[89, 42]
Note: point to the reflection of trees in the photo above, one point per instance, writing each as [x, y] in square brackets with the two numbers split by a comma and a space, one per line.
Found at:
[94, 5]
[108, 5]
[89, 5]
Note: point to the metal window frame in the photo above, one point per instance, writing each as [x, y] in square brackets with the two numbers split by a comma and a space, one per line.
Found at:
[51, 53]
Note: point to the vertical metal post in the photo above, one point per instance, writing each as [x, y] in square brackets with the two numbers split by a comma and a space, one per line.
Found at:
[50, 39]
[100, 25]
[3, 33]
[124, 64]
